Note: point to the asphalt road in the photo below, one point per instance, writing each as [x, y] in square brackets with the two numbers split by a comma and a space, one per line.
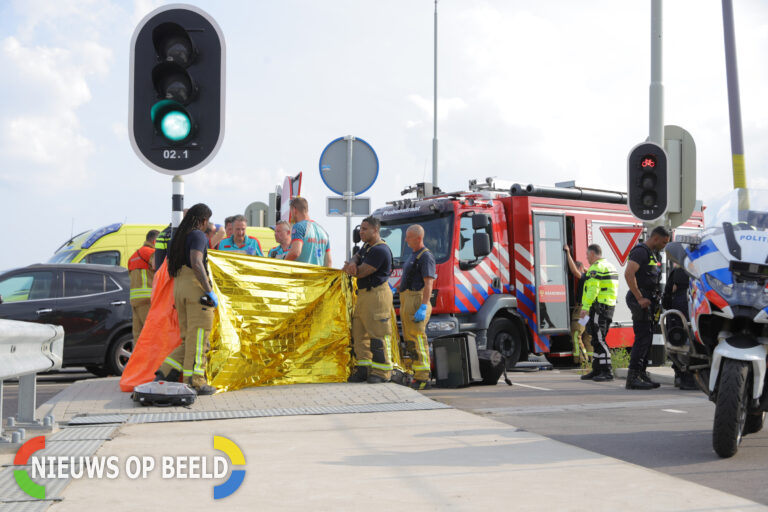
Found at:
[48, 385]
[666, 429]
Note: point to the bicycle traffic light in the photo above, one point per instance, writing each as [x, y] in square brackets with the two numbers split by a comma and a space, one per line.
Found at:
[176, 114]
[647, 181]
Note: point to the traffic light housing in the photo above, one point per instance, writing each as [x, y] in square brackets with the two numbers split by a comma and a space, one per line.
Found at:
[647, 181]
[176, 114]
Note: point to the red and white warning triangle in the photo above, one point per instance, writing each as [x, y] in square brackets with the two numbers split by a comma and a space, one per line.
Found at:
[621, 240]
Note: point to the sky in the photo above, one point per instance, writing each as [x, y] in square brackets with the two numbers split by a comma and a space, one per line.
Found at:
[531, 92]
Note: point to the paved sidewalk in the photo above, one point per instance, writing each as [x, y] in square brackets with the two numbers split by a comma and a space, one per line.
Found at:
[424, 456]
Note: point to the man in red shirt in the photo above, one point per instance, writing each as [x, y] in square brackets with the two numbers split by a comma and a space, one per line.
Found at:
[141, 270]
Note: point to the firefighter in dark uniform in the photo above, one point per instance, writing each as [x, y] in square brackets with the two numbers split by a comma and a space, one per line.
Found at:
[194, 301]
[371, 321]
[643, 275]
[415, 307]
[598, 304]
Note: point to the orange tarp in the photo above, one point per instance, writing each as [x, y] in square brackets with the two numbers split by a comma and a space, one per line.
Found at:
[159, 336]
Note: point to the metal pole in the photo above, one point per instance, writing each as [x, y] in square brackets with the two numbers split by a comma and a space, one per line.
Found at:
[656, 117]
[434, 94]
[734, 104]
[349, 195]
[27, 398]
[177, 201]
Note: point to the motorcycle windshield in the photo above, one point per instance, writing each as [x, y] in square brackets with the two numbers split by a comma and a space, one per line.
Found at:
[745, 209]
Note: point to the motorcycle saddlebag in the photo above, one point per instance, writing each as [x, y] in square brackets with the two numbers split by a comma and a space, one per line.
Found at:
[456, 362]
[164, 394]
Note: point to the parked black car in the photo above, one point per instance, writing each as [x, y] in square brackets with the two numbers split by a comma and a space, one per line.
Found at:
[91, 302]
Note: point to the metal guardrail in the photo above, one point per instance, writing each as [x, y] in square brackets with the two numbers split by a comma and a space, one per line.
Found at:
[27, 348]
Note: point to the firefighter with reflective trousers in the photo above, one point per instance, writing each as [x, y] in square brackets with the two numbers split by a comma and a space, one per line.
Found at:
[599, 302]
[141, 270]
[194, 301]
[372, 319]
[415, 306]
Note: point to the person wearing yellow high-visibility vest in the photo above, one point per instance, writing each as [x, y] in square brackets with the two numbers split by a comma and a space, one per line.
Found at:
[598, 303]
[141, 270]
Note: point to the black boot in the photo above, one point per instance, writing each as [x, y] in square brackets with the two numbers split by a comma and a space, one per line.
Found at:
[605, 375]
[376, 379]
[360, 374]
[589, 376]
[159, 376]
[205, 389]
[688, 382]
[645, 377]
[173, 376]
[634, 381]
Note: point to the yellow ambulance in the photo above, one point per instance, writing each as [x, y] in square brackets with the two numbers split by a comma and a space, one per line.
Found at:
[114, 244]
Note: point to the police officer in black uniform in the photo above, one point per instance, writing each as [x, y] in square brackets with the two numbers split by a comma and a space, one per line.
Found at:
[643, 275]
[676, 297]
[371, 321]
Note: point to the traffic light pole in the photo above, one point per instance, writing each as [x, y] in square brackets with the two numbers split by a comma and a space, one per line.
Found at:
[177, 201]
[656, 117]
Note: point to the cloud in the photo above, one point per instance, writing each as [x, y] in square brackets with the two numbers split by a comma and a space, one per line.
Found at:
[44, 85]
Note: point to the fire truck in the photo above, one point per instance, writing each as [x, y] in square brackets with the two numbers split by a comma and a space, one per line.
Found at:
[502, 271]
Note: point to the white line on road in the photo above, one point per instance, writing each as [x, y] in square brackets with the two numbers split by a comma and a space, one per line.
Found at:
[675, 411]
[532, 387]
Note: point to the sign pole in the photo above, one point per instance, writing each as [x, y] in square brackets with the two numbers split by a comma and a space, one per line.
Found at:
[734, 103]
[349, 195]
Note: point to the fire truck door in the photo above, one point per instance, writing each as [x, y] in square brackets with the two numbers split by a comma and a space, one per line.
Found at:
[551, 272]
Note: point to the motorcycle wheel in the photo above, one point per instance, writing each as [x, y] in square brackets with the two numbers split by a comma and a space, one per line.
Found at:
[730, 408]
[754, 423]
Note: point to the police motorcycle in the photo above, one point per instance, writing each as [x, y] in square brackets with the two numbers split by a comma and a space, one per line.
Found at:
[726, 343]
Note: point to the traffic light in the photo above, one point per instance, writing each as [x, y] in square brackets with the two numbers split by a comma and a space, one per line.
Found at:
[647, 181]
[176, 118]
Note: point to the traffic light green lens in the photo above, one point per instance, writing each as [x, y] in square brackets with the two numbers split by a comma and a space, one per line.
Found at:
[175, 125]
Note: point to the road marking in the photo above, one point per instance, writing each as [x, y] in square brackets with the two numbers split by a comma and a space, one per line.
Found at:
[675, 411]
[633, 404]
[532, 387]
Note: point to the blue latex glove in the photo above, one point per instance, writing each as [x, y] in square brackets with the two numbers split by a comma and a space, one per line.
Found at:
[420, 314]
[214, 298]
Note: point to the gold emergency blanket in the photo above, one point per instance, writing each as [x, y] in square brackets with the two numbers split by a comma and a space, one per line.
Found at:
[278, 322]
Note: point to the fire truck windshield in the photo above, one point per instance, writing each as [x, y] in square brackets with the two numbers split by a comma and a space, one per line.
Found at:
[438, 235]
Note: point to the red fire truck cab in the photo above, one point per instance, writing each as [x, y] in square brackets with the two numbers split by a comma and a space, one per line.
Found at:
[502, 272]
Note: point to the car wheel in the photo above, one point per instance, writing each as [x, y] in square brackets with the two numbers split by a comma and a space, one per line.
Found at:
[119, 352]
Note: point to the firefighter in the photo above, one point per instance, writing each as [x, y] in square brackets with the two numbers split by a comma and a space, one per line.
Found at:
[643, 275]
[415, 306]
[371, 326]
[194, 300]
[582, 342]
[599, 302]
[141, 269]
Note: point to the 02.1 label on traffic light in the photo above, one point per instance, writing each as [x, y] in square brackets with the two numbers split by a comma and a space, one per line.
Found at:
[176, 119]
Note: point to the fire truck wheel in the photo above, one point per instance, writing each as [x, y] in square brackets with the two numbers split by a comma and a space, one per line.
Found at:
[504, 336]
